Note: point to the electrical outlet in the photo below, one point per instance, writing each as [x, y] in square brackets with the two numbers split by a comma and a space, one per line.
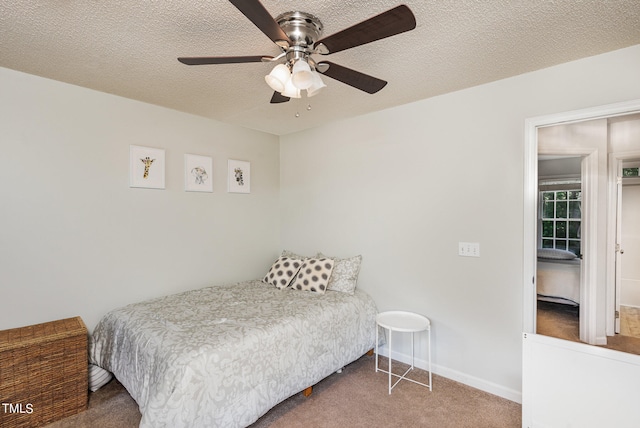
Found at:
[469, 249]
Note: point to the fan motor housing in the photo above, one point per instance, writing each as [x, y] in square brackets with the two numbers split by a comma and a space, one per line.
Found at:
[302, 28]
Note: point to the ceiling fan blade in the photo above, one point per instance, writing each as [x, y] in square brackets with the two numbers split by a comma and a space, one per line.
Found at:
[358, 80]
[223, 59]
[278, 98]
[261, 18]
[389, 23]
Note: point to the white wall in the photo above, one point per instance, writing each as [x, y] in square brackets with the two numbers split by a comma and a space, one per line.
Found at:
[76, 240]
[403, 186]
[570, 384]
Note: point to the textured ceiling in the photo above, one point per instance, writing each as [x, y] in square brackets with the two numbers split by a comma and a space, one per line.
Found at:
[129, 48]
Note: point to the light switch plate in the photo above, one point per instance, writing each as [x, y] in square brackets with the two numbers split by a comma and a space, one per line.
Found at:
[469, 249]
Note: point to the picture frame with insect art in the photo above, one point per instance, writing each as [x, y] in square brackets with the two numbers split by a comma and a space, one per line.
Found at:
[239, 176]
[146, 167]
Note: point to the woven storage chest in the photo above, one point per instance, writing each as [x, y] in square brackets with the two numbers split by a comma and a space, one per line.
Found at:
[43, 373]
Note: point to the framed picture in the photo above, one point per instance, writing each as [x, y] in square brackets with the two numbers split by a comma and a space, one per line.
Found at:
[146, 167]
[198, 173]
[239, 177]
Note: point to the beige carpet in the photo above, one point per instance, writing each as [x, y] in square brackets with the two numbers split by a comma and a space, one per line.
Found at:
[357, 397]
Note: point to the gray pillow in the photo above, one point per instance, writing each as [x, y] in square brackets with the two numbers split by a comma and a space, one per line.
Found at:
[287, 253]
[555, 254]
[344, 277]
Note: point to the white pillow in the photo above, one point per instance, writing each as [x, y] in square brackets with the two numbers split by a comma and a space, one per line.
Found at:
[314, 275]
[282, 272]
[555, 254]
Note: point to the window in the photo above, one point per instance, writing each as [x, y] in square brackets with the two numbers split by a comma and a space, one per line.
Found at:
[561, 218]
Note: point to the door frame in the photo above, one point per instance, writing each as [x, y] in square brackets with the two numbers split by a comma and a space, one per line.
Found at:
[613, 237]
[588, 317]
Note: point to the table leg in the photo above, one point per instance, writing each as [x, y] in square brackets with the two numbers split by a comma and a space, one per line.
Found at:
[390, 361]
[412, 351]
[430, 381]
[377, 341]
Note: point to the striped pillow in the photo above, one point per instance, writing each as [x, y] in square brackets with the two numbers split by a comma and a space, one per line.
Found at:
[98, 377]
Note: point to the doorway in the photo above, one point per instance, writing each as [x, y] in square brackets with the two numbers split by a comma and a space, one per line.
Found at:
[554, 369]
[575, 279]
[559, 250]
[624, 177]
[628, 275]
[597, 292]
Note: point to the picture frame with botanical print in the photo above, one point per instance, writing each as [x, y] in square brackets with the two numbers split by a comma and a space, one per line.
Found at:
[198, 173]
[239, 176]
[146, 167]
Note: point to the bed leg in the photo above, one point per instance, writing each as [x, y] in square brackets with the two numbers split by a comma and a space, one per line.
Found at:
[307, 392]
[370, 352]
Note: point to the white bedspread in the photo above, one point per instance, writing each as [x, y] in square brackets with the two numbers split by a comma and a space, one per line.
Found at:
[223, 356]
[559, 281]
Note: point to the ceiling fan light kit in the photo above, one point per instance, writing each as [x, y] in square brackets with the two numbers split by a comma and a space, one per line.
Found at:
[297, 35]
[290, 90]
[316, 85]
[301, 76]
[278, 77]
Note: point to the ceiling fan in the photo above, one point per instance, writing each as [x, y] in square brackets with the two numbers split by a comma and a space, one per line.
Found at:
[297, 34]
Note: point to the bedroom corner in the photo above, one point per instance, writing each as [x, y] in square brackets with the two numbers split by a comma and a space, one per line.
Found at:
[78, 240]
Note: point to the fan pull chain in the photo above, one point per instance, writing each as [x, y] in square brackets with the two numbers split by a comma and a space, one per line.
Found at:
[308, 109]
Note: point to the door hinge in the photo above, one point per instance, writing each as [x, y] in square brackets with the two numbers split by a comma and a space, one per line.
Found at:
[617, 314]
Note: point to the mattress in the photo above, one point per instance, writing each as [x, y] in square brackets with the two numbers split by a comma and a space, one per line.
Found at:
[559, 281]
[223, 356]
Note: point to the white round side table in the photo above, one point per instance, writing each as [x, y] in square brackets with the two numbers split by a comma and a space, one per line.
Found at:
[404, 322]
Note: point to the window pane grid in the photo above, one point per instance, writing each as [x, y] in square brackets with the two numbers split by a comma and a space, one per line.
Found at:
[561, 218]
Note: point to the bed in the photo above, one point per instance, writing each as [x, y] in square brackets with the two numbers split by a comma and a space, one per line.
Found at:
[558, 277]
[222, 356]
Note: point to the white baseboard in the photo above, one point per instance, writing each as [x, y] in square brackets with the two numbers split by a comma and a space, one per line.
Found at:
[629, 306]
[472, 381]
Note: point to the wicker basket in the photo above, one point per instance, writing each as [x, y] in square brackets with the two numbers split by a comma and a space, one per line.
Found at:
[43, 373]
